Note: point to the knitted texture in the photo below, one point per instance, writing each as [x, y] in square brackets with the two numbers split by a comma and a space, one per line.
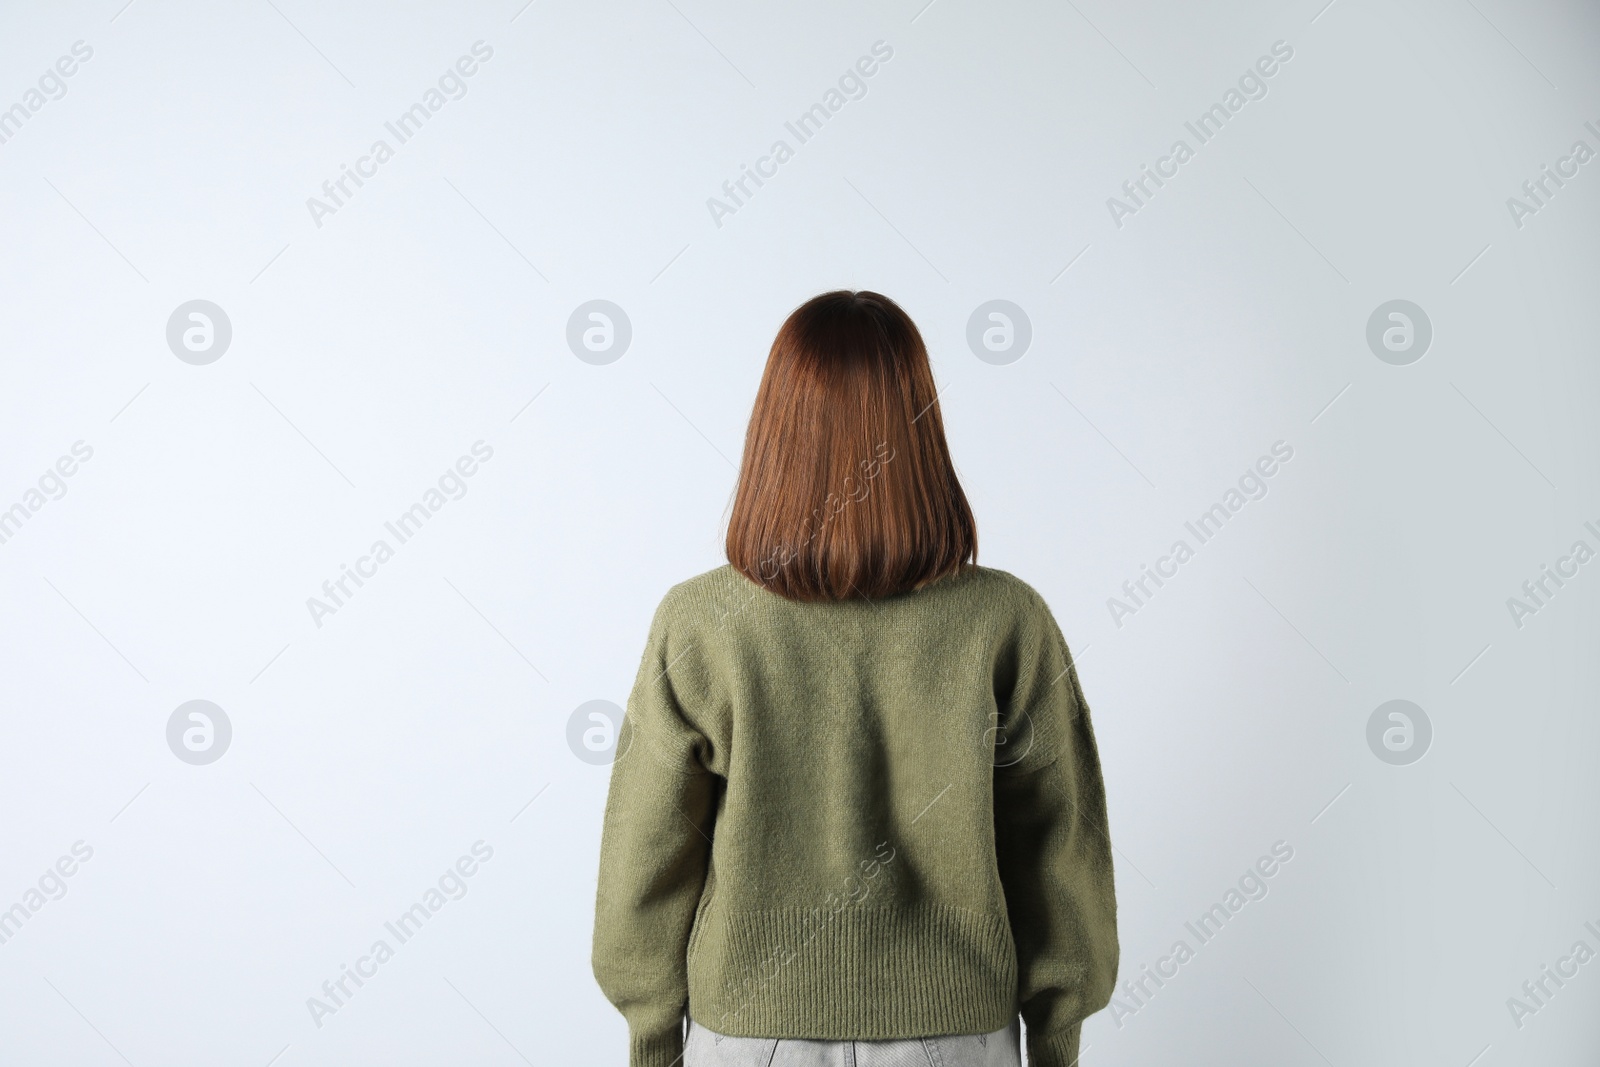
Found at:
[1054, 1050]
[855, 819]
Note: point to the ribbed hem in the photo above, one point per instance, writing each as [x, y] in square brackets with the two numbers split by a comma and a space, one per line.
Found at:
[655, 1050]
[864, 973]
[1059, 1049]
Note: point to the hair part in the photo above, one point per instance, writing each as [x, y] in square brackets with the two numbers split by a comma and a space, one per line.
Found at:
[846, 488]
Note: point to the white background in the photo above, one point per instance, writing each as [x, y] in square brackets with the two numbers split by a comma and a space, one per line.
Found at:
[370, 352]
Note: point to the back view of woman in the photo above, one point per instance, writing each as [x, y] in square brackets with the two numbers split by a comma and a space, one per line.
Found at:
[857, 814]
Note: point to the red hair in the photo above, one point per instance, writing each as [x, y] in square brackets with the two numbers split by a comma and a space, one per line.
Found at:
[846, 488]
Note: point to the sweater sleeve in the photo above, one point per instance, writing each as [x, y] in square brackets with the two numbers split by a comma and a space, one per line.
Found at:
[1053, 848]
[654, 848]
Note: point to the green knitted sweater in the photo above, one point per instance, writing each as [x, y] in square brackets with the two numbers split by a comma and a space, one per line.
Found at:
[859, 819]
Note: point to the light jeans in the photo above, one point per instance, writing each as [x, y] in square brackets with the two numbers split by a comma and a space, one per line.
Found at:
[707, 1048]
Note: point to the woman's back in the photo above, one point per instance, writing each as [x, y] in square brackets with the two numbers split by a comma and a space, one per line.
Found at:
[868, 819]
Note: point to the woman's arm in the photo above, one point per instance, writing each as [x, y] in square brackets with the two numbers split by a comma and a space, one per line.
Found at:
[1054, 849]
[654, 849]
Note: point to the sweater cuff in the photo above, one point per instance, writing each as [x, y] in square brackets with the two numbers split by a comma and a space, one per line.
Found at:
[658, 1049]
[1059, 1049]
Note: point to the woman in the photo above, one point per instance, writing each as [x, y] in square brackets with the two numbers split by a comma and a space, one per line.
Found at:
[857, 813]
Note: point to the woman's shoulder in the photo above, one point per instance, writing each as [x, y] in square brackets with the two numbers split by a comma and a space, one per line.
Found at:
[711, 595]
[1005, 585]
[725, 592]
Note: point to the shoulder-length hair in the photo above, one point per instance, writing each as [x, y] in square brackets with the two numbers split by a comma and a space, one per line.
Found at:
[846, 489]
